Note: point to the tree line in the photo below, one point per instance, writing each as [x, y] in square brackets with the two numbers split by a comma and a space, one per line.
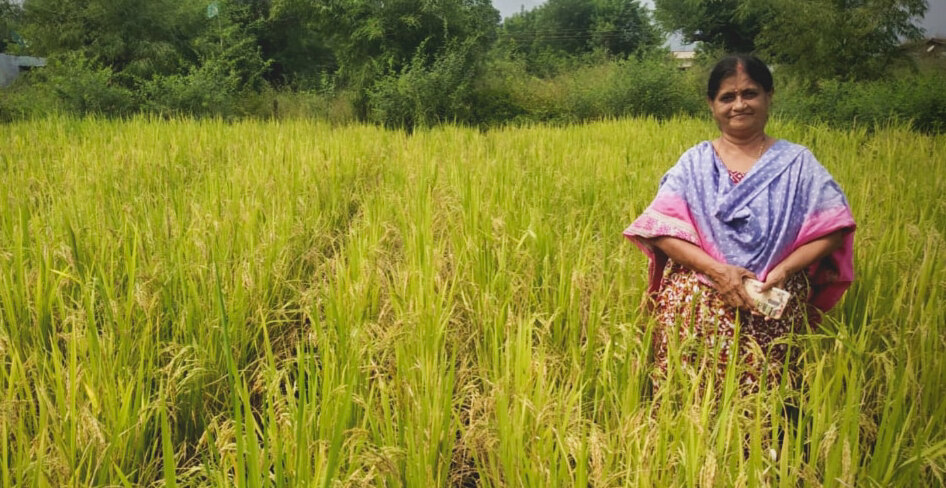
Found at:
[420, 62]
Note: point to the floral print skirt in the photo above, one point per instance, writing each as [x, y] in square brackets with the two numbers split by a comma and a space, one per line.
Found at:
[706, 327]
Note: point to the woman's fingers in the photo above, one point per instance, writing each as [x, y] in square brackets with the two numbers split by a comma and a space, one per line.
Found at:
[738, 300]
[747, 301]
[775, 279]
[745, 298]
[732, 289]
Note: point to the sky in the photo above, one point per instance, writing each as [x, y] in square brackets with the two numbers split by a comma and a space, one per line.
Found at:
[934, 22]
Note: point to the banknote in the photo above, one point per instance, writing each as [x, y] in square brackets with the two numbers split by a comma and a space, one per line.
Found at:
[770, 303]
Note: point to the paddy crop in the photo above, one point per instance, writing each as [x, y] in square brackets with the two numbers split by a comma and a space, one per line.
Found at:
[199, 303]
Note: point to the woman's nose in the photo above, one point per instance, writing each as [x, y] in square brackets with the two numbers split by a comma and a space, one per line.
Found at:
[739, 103]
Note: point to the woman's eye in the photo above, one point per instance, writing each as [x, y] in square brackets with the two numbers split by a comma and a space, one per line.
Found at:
[727, 98]
[749, 95]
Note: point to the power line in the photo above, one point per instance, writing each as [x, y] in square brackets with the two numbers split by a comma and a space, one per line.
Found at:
[573, 34]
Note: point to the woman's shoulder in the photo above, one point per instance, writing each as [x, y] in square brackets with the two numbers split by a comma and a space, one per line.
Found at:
[794, 152]
[699, 152]
[802, 155]
[700, 147]
[786, 145]
[692, 162]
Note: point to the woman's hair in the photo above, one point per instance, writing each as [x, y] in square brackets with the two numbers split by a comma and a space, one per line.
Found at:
[726, 67]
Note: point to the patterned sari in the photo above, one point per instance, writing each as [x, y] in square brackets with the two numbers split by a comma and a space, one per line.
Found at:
[753, 220]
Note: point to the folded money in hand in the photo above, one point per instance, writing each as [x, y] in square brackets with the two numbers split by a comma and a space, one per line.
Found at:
[770, 303]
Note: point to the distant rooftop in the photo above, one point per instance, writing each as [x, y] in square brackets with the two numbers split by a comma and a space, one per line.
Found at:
[10, 67]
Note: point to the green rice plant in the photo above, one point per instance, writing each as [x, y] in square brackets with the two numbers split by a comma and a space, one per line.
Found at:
[287, 303]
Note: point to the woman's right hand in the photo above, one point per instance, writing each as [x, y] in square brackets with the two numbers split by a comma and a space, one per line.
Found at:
[728, 281]
[726, 278]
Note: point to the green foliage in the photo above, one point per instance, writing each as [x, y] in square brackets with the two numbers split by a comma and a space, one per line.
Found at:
[919, 99]
[229, 67]
[23, 100]
[817, 39]
[565, 25]
[649, 86]
[730, 25]
[621, 27]
[294, 38]
[229, 48]
[69, 83]
[206, 90]
[413, 63]
[832, 39]
[569, 28]
[87, 88]
[117, 58]
[11, 13]
[371, 38]
[135, 38]
[426, 94]
[335, 108]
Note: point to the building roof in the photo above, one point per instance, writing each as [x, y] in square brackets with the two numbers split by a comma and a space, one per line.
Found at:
[10, 66]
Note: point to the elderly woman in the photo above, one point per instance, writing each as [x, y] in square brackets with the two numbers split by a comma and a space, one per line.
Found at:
[744, 205]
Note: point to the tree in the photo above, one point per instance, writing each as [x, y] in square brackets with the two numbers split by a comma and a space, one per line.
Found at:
[135, 37]
[565, 25]
[730, 25]
[840, 39]
[10, 17]
[575, 27]
[621, 27]
[171, 56]
[370, 37]
[843, 39]
[291, 37]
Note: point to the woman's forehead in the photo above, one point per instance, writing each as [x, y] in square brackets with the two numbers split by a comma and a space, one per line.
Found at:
[738, 82]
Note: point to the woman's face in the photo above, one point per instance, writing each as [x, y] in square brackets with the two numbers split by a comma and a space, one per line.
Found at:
[741, 108]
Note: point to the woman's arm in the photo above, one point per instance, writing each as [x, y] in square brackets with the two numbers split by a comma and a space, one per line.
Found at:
[801, 258]
[726, 278]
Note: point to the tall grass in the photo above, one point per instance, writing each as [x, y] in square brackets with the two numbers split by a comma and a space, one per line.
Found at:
[290, 304]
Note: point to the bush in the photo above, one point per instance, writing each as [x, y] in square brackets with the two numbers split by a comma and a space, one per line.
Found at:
[425, 95]
[26, 99]
[918, 98]
[70, 84]
[507, 92]
[649, 86]
[205, 90]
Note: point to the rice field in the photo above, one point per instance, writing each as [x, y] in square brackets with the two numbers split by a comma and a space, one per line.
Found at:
[288, 304]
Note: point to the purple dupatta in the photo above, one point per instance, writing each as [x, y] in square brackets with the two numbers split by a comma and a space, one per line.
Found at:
[786, 200]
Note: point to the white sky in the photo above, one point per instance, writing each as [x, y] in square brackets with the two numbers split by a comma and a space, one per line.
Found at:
[934, 23]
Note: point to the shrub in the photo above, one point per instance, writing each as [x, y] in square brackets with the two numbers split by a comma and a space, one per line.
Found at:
[205, 90]
[26, 98]
[918, 98]
[646, 86]
[69, 83]
[425, 94]
[650, 86]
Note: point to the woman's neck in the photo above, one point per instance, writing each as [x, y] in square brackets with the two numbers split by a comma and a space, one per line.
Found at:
[740, 153]
[749, 143]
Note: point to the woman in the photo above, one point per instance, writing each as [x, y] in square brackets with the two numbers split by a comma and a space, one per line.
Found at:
[744, 205]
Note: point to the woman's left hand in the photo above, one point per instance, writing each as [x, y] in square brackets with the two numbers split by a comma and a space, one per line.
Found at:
[775, 279]
[803, 257]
